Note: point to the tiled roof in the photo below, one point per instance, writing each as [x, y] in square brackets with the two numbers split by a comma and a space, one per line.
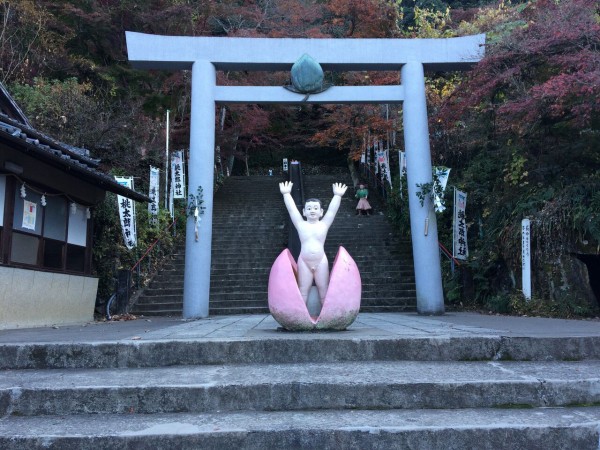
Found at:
[69, 158]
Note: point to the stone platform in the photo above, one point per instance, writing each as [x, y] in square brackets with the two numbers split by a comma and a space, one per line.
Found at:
[390, 381]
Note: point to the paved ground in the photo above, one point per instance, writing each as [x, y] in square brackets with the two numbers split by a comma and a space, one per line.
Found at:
[406, 325]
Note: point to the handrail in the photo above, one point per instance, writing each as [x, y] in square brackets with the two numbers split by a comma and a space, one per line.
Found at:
[108, 306]
[377, 180]
[380, 183]
[296, 177]
[151, 247]
[448, 254]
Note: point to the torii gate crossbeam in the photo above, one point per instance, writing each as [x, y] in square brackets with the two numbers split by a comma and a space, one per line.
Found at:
[205, 55]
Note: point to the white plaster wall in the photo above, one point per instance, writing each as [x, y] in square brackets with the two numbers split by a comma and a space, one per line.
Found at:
[29, 298]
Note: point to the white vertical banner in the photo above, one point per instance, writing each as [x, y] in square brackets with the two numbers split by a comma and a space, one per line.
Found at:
[178, 175]
[526, 257]
[382, 163]
[440, 178]
[402, 163]
[127, 214]
[363, 153]
[460, 248]
[153, 193]
[388, 173]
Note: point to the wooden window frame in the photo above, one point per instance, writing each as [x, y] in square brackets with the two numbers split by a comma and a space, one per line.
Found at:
[7, 230]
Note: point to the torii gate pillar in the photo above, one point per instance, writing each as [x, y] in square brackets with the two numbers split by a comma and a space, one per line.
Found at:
[205, 55]
[196, 281]
[423, 224]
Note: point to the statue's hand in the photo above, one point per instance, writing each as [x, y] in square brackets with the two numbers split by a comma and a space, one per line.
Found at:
[285, 187]
[339, 189]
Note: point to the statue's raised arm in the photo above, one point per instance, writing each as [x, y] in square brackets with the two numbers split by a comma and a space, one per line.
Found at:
[339, 189]
[286, 190]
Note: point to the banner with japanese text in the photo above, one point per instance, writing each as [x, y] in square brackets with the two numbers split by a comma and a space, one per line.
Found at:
[178, 175]
[153, 193]
[127, 214]
[383, 163]
[460, 247]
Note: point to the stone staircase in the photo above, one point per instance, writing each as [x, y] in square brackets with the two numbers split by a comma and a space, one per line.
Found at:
[302, 391]
[250, 230]
[164, 294]
[249, 221]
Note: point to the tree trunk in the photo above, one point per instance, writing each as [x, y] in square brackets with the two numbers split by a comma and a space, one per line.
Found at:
[353, 173]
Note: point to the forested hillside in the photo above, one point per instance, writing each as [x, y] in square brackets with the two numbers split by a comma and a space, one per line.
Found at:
[521, 131]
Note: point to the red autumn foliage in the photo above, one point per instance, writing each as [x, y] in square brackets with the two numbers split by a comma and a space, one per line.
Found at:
[543, 73]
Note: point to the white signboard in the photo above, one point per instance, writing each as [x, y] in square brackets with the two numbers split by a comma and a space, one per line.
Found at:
[178, 175]
[460, 247]
[127, 214]
[29, 215]
[526, 256]
[153, 193]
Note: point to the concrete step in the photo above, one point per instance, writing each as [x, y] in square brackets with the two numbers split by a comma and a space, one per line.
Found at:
[227, 253]
[239, 310]
[398, 304]
[307, 386]
[160, 292]
[287, 347]
[485, 429]
[168, 311]
[172, 303]
[410, 307]
[240, 295]
[227, 277]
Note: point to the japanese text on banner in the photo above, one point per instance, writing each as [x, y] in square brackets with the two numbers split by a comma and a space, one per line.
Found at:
[461, 249]
[127, 214]
[154, 196]
[178, 175]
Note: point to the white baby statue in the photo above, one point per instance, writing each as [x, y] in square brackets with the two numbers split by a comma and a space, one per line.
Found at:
[312, 262]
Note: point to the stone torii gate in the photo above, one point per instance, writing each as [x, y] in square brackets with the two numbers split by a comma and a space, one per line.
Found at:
[205, 55]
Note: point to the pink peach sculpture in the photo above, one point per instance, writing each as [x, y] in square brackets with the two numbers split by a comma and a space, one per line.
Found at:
[339, 308]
